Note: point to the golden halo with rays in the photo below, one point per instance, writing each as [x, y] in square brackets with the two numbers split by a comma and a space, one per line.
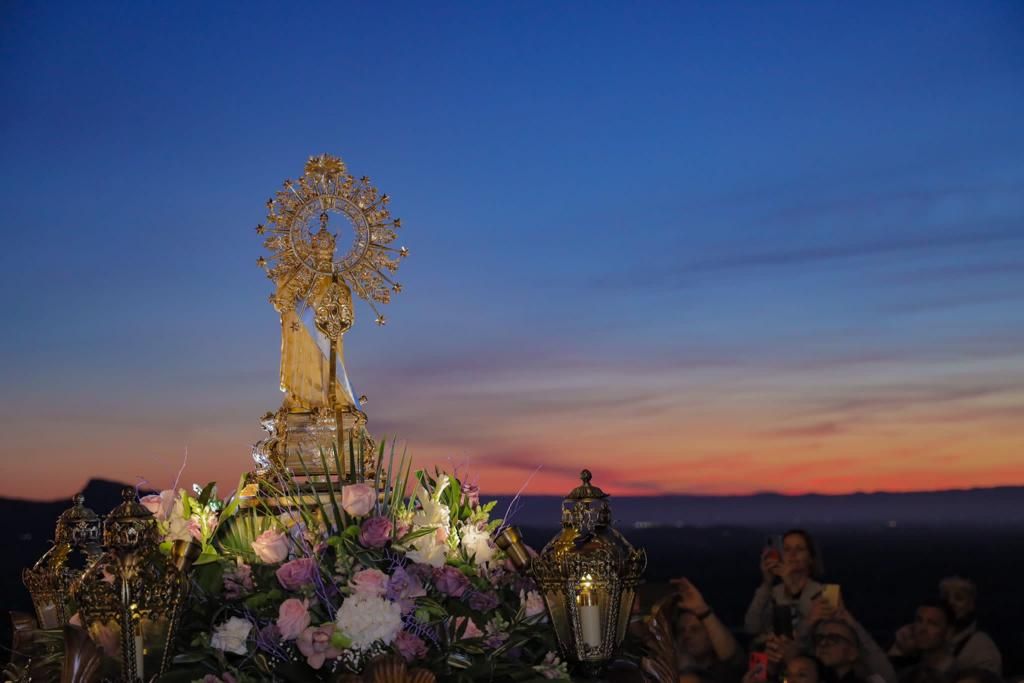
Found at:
[297, 212]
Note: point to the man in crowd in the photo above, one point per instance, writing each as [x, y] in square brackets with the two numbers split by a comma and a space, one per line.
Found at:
[925, 649]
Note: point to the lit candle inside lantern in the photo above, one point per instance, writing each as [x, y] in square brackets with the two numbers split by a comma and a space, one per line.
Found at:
[590, 615]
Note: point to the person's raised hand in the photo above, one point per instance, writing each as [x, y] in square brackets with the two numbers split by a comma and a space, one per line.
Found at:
[774, 647]
[689, 597]
[820, 609]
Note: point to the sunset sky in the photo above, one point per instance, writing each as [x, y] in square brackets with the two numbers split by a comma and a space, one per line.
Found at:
[694, 247]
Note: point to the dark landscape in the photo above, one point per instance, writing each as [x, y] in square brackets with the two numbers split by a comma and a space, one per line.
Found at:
[885, 550]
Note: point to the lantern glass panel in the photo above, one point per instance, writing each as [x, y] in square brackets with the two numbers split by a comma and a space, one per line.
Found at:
[49, 615]
[559, 616]
[625, 612]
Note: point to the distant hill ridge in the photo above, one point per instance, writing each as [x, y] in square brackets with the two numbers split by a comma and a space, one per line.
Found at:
[999, 505]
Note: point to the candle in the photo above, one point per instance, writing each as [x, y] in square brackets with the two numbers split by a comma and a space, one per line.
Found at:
[590, 619]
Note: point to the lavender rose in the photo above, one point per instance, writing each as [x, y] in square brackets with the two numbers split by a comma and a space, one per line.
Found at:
[375, 532]
[450, 581]
[410, 646]
[481, 601]
[297, 573]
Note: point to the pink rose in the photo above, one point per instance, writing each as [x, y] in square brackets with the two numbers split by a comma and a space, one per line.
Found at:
[358, 499]
[375, 532]
[315, 644]
[472, 631]
[160, 504]
[450, 581]
[271, 546]
[293, 617]
[370, 582]
[297, 573]
[410, 646]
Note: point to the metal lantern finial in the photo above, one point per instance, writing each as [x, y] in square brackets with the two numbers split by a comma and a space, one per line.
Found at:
[588, 574]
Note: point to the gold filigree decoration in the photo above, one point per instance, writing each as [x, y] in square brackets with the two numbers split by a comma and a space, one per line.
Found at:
[302, 248]
[334, 311]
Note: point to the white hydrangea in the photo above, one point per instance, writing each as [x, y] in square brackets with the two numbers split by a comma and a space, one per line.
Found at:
[367, 619]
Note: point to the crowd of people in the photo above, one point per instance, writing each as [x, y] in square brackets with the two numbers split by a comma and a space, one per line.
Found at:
[801, 631]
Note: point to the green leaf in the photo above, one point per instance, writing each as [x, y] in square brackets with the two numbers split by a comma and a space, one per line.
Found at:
[206, 493]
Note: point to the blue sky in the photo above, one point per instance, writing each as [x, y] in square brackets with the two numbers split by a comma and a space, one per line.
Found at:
[789, 236]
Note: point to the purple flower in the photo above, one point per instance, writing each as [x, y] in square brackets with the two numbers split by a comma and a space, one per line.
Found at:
[481, 601]
[450, 581]
[471, 492]
[494, 640]
[410, 646]
[403, 588]
[423, 572]
[375, 532]
[238, 582]
[297, 573]
[268, 638]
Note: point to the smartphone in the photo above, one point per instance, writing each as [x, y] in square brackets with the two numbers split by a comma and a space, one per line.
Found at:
[773, 547]
[759, 666]
[782, 620]
[830, 595]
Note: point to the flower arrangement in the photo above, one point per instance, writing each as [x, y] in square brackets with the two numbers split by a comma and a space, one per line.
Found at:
[367, 577]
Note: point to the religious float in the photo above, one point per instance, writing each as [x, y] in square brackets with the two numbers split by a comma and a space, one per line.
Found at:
[332, 561]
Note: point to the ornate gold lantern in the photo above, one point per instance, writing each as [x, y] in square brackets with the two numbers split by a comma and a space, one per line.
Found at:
[76, 543]
[588, 574]
[129, 594]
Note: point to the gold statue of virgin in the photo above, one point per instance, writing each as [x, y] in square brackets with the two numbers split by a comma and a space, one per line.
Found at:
[319, 430]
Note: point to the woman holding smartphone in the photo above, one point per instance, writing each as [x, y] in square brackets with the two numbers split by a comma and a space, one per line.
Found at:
[787, 587]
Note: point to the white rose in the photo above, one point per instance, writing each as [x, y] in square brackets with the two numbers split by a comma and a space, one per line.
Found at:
[231, 636]
[367, 619]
